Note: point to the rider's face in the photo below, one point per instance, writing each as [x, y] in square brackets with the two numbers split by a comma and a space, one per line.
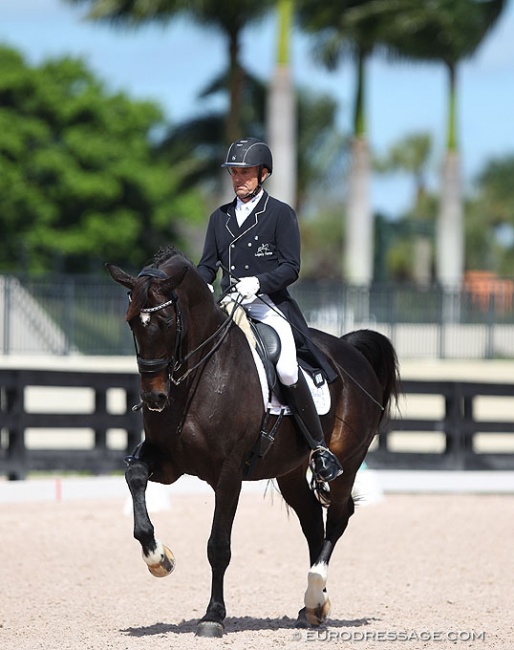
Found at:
[245, 180]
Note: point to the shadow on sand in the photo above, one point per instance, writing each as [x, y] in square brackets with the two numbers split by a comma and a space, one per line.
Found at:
[240, 624]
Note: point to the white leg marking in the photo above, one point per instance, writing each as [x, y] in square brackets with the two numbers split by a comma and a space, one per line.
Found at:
[157, 556]
[317, 580]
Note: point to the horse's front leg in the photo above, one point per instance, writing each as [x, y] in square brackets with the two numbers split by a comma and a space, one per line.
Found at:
[159, 558]
[219, 553]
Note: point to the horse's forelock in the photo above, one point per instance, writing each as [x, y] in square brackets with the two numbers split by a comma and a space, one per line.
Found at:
[139, 297]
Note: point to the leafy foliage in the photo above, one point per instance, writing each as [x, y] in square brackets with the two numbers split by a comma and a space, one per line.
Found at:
[490, 222]
[80, 181]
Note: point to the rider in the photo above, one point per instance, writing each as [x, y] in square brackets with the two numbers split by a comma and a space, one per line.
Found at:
[256, 238]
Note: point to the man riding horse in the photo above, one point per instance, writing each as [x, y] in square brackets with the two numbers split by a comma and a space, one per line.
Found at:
[255, 239]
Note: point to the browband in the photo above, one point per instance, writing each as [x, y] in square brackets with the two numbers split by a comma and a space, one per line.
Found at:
[153, 273]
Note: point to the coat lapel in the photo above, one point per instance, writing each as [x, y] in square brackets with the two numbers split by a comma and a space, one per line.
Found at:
[250, 222]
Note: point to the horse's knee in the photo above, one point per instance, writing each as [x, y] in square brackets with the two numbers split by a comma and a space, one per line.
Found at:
[136, 475]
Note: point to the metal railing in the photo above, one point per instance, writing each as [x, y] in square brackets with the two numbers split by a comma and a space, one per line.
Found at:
[83, 314]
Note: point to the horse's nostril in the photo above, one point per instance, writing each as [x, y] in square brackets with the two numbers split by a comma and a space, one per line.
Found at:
[155, 401]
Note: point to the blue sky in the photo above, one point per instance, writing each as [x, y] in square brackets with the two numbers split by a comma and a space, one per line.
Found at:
[171, 65]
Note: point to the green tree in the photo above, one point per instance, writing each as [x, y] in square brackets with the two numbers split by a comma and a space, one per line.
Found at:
[225, 16]
[490, 222]
[195, 147]
[410, 253]
[281, 118]
[445, 31]
[79, 183]
[348, 29]
[411, 155]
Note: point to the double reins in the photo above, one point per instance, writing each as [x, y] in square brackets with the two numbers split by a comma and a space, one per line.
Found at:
[235, 279]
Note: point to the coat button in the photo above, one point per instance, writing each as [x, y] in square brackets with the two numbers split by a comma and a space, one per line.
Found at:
[249, 243]
[232, 267]
[246, 267]
[233, 246]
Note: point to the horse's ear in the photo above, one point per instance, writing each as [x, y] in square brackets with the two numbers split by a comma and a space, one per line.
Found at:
[119, 276]
[173, 281]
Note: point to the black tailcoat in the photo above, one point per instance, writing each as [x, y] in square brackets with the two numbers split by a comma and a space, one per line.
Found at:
[266, 246]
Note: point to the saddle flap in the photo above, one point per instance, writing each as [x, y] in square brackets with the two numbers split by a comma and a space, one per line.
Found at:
[268, 348]
[269, 339]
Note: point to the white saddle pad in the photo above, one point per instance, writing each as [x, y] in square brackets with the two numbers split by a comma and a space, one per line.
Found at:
[320, 395]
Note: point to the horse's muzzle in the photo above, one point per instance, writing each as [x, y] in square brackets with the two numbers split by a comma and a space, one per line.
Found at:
[154, 400]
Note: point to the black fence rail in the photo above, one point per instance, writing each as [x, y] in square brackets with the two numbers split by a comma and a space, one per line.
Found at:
[460, 428]
[17, 459]
[457, 425]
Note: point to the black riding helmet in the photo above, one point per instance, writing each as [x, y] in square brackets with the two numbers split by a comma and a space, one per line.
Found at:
[249, 152]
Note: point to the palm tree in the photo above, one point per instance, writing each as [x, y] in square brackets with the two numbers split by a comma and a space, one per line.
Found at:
[411, 154]
[345, 28]
[225, 16]
[446, 31]
[192, 148]
[281, 113]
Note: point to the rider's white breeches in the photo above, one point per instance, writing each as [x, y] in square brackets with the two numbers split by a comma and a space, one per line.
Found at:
[287, 366]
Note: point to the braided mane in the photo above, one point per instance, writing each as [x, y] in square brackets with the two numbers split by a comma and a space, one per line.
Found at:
[166, 253]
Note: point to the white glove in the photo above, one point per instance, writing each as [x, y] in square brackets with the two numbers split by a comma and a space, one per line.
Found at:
[248, 287]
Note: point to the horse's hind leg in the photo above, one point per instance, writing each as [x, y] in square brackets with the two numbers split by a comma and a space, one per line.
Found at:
[321, 542]
[159, 558]
[317, 605]
[298, 495]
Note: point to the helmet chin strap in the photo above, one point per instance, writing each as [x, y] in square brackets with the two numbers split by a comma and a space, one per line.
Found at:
[250, 195]
[256, 191]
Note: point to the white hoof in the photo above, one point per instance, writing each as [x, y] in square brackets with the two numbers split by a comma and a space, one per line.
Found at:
[160, 562]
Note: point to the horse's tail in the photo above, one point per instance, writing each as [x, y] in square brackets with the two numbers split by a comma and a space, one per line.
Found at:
[380, 353]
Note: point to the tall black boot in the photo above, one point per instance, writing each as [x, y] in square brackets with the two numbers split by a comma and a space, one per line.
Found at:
[325, 466]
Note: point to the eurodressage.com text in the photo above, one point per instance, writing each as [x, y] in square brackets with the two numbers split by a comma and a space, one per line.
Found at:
[392, 635]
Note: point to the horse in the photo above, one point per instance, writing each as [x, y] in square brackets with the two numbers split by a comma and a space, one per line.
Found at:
[202, 406]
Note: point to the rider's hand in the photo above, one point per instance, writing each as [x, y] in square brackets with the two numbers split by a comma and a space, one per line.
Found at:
[248, 287]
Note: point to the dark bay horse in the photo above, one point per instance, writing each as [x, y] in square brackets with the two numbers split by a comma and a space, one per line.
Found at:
[203, 408]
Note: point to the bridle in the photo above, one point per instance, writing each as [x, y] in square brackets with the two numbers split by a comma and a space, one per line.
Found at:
[174, 364]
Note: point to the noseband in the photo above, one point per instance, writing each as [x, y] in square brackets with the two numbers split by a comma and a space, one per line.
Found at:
[176, 362]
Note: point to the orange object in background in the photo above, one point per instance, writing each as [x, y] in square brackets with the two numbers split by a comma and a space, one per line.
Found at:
[488, 290]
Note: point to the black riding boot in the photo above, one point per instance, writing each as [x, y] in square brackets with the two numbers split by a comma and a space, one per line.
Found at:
[324, 465]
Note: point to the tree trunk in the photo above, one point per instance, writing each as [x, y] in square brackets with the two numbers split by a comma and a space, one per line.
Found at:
[281, 115]
[450, 226]
[450, 237]
[358, 262]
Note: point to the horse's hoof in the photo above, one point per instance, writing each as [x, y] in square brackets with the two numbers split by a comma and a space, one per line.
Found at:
[302, 621]
[165, 566]
[318, 615]
[210, 629]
